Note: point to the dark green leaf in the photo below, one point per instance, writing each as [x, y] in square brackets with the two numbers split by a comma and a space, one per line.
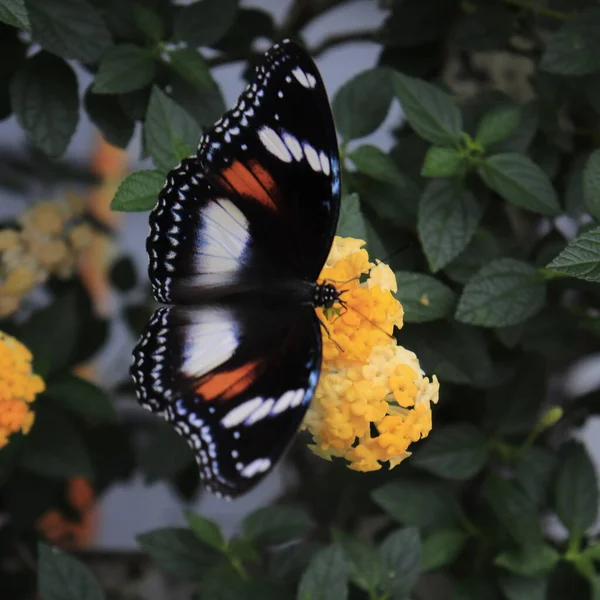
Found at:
[487, 27]
[373, 162]
[81, 397]
[365, 563]
[516, 587]
[577, 182]
[361, 104]
[191, 66]
[417, 503]
[326, 577]
[351, 222]
[575, 47]
[423, 297]
[249, 24]
[9, 457]
[581, 258]
[45, 99]
[13, 12]
[274, 525]
[61, 577]
[166, 126]
[576, 490]
[591, 184]
[448, 217]
[149, 22]
[481, 250]
[538, 561]
[505, 292]
[205, 105]
[443, 161]
[124, 68]
[54, 448]
[139, 191]
[453, 452]
[497, 125]
[109, 117]
[442, 548]
[520, 181]
[522, 136]
[205, 22]
[69, 28]
[433, 114]
[401, 553]
[206, 530]
[534, 473]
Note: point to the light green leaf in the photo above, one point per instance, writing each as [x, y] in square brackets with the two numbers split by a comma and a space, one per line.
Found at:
[167, 125]
[443, 161]
[14, 12]
[361, 104]
[516, 587]
[442, 548]
[365, 563]
[351, 222]
[401, 553]
[123, 69]
[591, 184]
[44, 97]
[70, 28]
[81, 397]
[538, 561]
[432, 113]
[520, 181]
[497, 125]
[274, 525]
[581, 258]
[204, 22]
[576, 490]
[206, 530]
[139, 191]
[375, 163]
[575, 48]
[192, 67]
[423, 297]
[505, 292]
[448, 217]
[62, 577]
[453, 452]
[326, 577]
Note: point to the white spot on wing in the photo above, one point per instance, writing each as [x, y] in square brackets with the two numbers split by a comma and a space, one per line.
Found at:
[300, 75]
[261, 412]
[293, 145]
[274, 144]
[285, 401]
[240, 413]
[324, 160]
[312, 157]
[260, 465]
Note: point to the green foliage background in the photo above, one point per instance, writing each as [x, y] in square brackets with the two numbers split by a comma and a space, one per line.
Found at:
[480, 186]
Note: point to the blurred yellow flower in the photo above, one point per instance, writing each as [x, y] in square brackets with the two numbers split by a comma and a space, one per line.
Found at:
[18, 388]
[373, 399]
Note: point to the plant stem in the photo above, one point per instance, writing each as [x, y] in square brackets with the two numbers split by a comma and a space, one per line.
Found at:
[547, 12]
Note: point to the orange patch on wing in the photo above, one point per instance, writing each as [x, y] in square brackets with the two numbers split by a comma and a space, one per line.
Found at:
[254, 182]
[227, 384]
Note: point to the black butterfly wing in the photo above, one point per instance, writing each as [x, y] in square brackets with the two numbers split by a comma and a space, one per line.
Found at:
[234, 381]
[276, 155]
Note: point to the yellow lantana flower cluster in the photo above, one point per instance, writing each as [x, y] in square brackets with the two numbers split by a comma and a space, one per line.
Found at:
[48, 242]
[18, 388]
[367, 380]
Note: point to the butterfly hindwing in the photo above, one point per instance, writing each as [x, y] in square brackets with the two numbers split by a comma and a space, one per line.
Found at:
[236, 390]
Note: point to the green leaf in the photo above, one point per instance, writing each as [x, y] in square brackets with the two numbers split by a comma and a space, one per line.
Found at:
[108, 116]
[373, 162]
[149, 22]
[443, 161]
[514, 510]
[497, 125]
[81, 397]
[274, 525]
[432, 113]
[45, 100]
[505, 292]
[520, 181]
[139, 191]
[522, 136]
[448, 217]
[351, 222]
[487, 27]
[453, 452]
[529, 563]
[179, 552]
[401, 553]
[206, 530]
[61, 577]
[13, 12]
[192, 67]
[423, 297]
[326, 577]
[581, 257]
[166, 126]
[442, 548]
[417, 503]
[591, 184]
[516, 587]
[361, 104]
[70, 28]
[576, 490]
[54, 448]
[534, 473]
[124, 68]
[365, 563]
[575, 48]
[205, 22]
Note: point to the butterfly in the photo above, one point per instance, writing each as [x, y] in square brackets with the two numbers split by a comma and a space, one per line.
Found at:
[238, 238]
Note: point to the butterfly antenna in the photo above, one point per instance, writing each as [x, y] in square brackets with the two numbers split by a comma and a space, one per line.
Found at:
[347, 307]
[330, 336]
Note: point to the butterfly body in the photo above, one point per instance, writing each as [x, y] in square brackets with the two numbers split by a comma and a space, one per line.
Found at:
[237, 241]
